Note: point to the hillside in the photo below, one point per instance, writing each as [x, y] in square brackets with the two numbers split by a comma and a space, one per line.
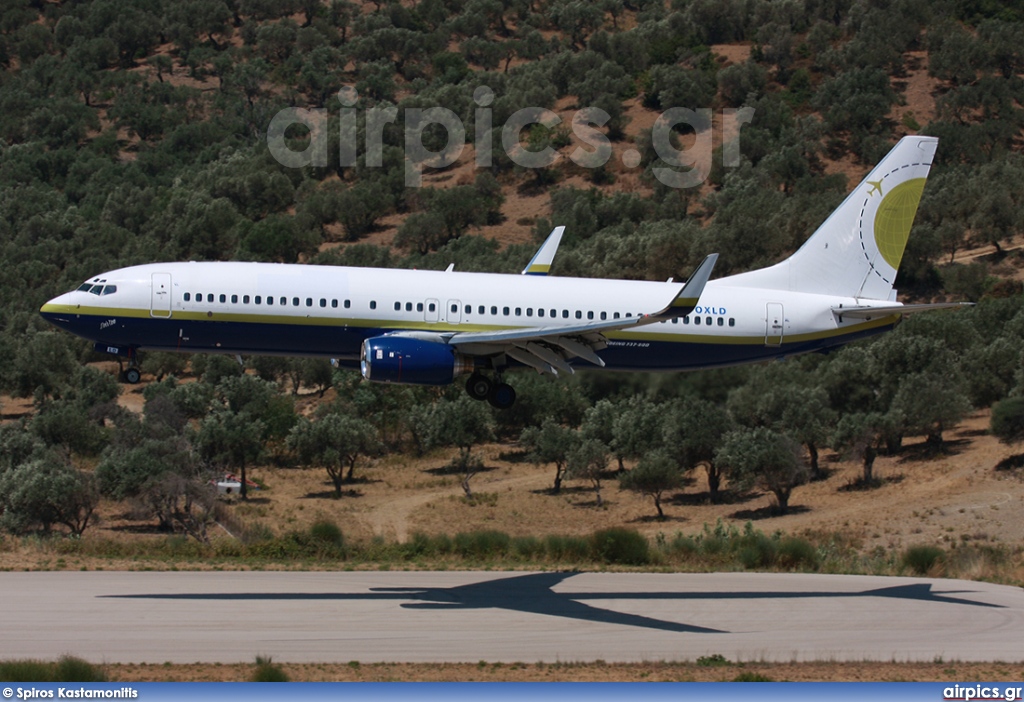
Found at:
[131, 135]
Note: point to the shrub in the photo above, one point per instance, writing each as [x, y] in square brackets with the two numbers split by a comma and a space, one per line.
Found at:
[327, 533]
[267, 672]
[793, 553]
[921, 559]
[619, 545]
[527, 547]
[752, 677]
[567, 548]
[756, 550]
[482, 544]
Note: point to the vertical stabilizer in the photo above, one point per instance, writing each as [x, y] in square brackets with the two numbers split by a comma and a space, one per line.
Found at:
[857, 251]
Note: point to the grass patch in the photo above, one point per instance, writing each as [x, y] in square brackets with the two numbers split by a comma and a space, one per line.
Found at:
[67, 669]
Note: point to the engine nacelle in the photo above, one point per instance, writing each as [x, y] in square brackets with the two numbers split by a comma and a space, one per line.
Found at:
[411, 361]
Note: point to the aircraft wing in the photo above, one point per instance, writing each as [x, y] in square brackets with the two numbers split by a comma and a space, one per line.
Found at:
[868, 312]
[548, 349]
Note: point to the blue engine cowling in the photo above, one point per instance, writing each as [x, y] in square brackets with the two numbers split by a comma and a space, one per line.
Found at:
[411, 361]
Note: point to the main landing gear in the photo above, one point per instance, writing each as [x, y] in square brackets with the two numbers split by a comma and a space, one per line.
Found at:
[498, 393]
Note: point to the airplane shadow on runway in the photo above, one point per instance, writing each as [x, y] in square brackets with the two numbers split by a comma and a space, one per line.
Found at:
[533, 594]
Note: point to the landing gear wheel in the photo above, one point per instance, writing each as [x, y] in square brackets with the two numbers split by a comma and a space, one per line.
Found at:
[132, 376]
[478, 386]
[502, 396]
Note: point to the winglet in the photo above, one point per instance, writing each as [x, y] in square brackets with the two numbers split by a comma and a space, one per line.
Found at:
[540, 264]
[687, 298]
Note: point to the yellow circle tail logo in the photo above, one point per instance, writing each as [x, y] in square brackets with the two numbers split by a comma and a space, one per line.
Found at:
[894, 218]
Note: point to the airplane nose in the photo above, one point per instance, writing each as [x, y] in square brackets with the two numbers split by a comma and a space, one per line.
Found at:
[57, 310]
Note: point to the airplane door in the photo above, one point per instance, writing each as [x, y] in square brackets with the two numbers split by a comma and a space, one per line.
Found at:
[774, 321]
[160, 301]
[454, 311]
[431, 310]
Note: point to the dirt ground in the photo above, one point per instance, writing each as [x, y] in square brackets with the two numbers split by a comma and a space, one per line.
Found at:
[581, 672]
[953, 497]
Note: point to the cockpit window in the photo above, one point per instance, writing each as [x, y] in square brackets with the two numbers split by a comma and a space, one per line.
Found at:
[96, 289]
[84, 287]
[109, 290]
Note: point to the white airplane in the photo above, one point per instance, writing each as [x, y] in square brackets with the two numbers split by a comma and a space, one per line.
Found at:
[431, 327]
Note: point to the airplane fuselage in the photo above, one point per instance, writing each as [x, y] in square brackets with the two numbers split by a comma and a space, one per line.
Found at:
[300, 310]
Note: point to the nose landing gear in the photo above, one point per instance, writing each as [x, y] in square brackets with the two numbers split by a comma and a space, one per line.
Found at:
[131, 374]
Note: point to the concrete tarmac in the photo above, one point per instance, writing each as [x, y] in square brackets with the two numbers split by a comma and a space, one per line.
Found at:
[186, 617]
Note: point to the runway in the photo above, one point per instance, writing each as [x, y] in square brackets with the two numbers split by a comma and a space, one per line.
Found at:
[186, 617]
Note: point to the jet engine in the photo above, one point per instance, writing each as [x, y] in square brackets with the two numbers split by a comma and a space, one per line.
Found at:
[411, 361]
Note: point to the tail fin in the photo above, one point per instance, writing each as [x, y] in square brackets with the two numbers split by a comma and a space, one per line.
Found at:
[857, 250]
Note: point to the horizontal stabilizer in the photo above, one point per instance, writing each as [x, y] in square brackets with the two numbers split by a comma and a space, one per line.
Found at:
[882, 311]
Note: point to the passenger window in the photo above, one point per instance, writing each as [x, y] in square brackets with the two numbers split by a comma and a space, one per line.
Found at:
[245, 299]
[686, 319]
[721, 321]
[323, 302]
[505, 311]
[565, 314]
[223, 297]
[419, 306]
[675, 320]
[199, 297]
[579, 314]
[408, 307]
[334, 303]
[284, 301]
[469, 309]
[234, 299]
[295, 302]
[629, 314]
[732, 322]
[519, 311]
[373, 304]
[270, 299]
[604, 315]
[481, 309]
[259, 299]
[554, 313]
[696, 320]
[494, 310]
[529, 311]
[707, 320]
[590, 315]
[431, 307]
[348, 304]
[615, 315]
[187, 297]
[540, 311]
[209, 297]
[398, 306]
[455, 309]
